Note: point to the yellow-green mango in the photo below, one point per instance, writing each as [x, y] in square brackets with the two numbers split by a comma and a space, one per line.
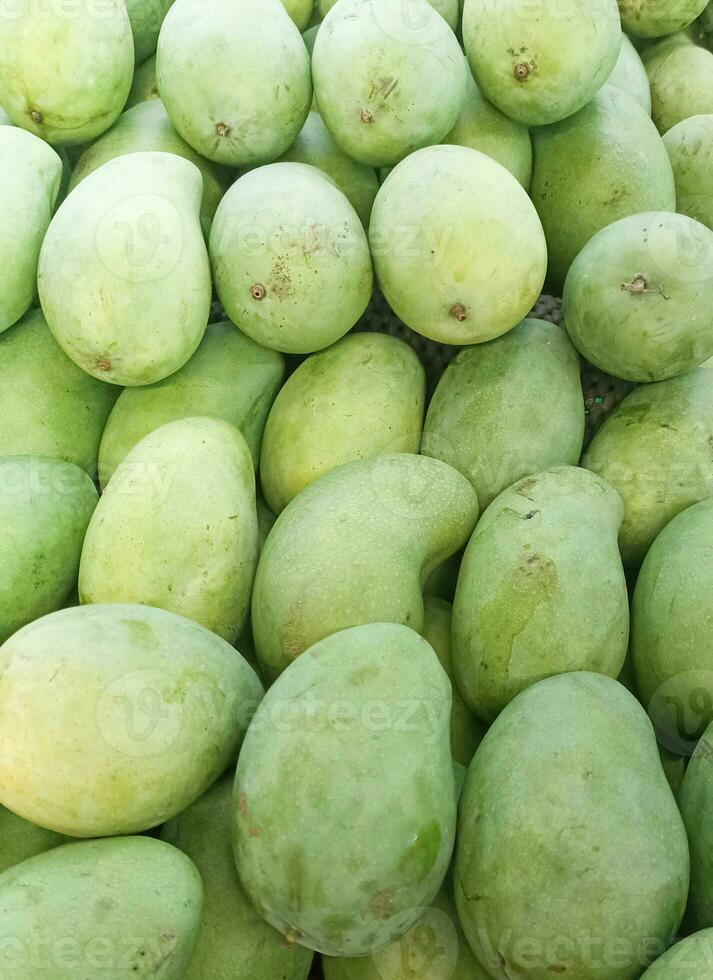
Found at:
[508, 408]
[235, 943]
[229, 377]
[689, 959]
[655, 449]
[690, 149]
[176, 527]
[387, 84]
[45, 507]
[300, 12]
[362, 397]
[101, 910]
[458, 248]
[572, 857]
[146, 126]
[651, 18]
[695, 800]
[234, 76]
[30, 175]
[681, 79]
[541, 590]
[630, 76]
[290, 258]
[20, 839]
[141, 710]
[66, 69]
[123, 276]
[356, 546]
[144, 85]
[146, 17]
[354, 737]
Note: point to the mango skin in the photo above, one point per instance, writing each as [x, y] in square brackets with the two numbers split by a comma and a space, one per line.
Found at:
[654, 449]
[50, 56]
[144, 86]
[648, 18]
[651, 335]
[4, 118]
[128, 907]
[541, 590]
[234, 943]
[195, 475]
[355, 891]
[45, 507]
[681, 79]
[691, 958]
[146, 17]
[601, 164]
[30, 175]
[142, 711]
[442, 221]
[229, 377]
[603, 862]
[356, 547]
[123, 275]
[361, 397]
[300, 12]
[508, 408]
[694, 800]
[630, 76]
[235, 78]
[690, 149]
[20, 839]
[49, 406]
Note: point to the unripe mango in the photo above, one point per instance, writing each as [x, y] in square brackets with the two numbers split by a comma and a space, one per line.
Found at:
[144, 86]
[650, 18]
[146, 17]
[300, 12]
[681, 79]
[20, 839]
[695, 800]
[691, 957]
[630, 76]
[690, 150]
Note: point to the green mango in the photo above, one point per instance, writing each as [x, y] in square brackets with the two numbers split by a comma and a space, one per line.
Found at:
[690, 959]
[448, 9]
[674, 767]
[147, 127]
[195, 474]
[290, 258]
[681, 79]
[146, 17]
[651, 18]
[234, 76]
[638, 299]
[603, 163]
[66, 70]
[309, 36]
[30, 175]
[387, 84]
[20, 839]
[467, 731]
[300, 12]
[123, 275]
[630, 76]
[4, 118]
[655, 449]
[45, 507]
[356, 547]
[229, 377]
[141, 710]
[541, 589]
[315, 145]
[101, 910]
[695, 800]
[362, 397]
[144, 86]
[353, 737]
[690, 150]
[573, 859]
[508, 408]
[458, 248]
[540, 63]
[483, 127]
[235, 943]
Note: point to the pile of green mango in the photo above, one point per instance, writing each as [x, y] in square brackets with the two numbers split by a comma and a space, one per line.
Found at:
[356, 490]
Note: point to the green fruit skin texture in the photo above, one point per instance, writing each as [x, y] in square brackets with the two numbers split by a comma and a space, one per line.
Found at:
[66, 70]
[20, 839]
[234, 76]
[312, 758]
[356, 547]
[290, 258]
[604, 163]
[681, 79]
[49, 406]
[30, 174]
[443, 222]
[109, 909]
[144, 86]
[146, 17]
[541, 589]
[508, 408]
[695, 800]
[654, 449]
[651, 335]
[566, 54]
[649, 18]
[690, 149]
[141, 711]
[574, 860]
[362, 397]
[234, 943]
[4, 118]
[466, 730]
[229, 377]
[690, 958]
[146, 126]
[123, 276]
[316, 146]
[483, 127]
[630, 76]
[387, 83]
[671, 611]
[196, 475]
[448, 9]
[45, 507]
[300, 12]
